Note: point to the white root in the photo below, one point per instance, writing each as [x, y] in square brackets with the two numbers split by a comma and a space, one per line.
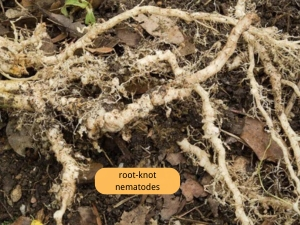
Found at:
[292, 85]
[237, 61]
[275, 79]
[291, 101]
[223, 56]
[168, 56]
[240, 8]
[8, 100]
[94, 120]
[115, 121]
[211, 133]
[202, 156]
[275, 136]
[188, 17]
[70, 171]
[101, 121]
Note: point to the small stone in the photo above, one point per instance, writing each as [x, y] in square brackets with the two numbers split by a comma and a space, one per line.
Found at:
[16, 193]
[33, 200]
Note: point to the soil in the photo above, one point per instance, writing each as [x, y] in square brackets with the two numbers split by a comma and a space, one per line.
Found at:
[152, 138]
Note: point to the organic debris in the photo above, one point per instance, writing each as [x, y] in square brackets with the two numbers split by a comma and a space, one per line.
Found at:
[191, 188]
[19, 137]
[162, 27]
[260, 141]
[175, 158]
[136, 216]
[170, 206]
[87, 216]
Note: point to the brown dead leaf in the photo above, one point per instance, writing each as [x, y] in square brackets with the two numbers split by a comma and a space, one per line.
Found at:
[170, 207]
[20, 139]
[55, 5]
[105, 41]
[48, 46]
[101, 50]
[191, 188]
[40, 215]
[128, 35]
[67, 24]
[175, 158]
[46, 4]
[87, 217]
[96, 213]
[96, 3]
[22, 220]
[26, 3]
[254, 135]
[206, 179]
[103, 45]
[187, 47]
[161, 26]
[59, 37]
[267, 222]
[214, 206]
[134, 217]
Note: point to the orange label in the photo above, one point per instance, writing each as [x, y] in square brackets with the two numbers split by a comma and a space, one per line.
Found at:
[137, 181]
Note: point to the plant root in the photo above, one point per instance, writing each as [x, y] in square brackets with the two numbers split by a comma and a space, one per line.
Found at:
[61, 81]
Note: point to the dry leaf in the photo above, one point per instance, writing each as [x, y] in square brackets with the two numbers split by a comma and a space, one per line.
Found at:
[214, 206]
[134, 217]
[175, 158]
[254, 135]
[97, 3]
[40, 215]
[103, 44]
[101, 50]
[128, 35]
[46, 4]
[21, 139]
[26, 3]
[191, 188]
[22, 220]
[87, 217]
[187, 47]
[66, 23]
[59, 37]
[267, 222]
[170, 207]
[96, 213]
[48, 46]
[161, 26]
[105, 41]
[55, 5]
